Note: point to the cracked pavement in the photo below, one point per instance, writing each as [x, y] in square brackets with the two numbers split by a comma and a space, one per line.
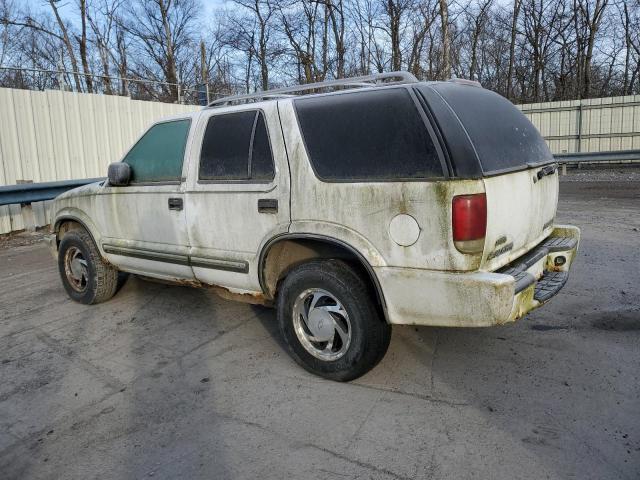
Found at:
[172, 382]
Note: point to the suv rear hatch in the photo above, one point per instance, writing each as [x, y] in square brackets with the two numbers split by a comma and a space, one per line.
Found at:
[487, 137]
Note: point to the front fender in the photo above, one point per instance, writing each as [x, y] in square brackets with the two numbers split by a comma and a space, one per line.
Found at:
[66, 213]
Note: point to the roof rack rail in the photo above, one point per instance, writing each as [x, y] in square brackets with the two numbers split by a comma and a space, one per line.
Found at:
[465, 81]
[364, 81]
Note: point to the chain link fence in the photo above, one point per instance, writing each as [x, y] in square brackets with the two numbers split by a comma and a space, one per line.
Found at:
[134, 88]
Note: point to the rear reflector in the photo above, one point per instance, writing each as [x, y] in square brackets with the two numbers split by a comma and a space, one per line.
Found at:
[469, 222]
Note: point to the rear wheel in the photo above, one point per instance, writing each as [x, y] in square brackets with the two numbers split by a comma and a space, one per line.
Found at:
[330, 321]
[86, 277]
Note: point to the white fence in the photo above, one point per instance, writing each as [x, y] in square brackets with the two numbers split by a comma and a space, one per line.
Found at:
[56, 135]
[595, 125]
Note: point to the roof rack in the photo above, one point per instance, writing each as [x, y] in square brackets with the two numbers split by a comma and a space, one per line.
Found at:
[364, 81]
[465, 81]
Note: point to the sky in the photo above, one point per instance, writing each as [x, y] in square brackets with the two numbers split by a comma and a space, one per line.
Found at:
[68, 12]
[66, 6]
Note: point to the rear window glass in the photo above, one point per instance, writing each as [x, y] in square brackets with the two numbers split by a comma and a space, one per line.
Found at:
[502, 136]
[236, 147]
[374, 135]
[158, 155]
[261, 158]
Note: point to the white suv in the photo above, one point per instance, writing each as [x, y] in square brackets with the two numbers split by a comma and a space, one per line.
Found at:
[367, 202]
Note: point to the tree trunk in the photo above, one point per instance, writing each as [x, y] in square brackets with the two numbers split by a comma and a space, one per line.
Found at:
[83, 46]
[338, 34]
[446, 41]
[204, 69]
[104, 59]
[68, 46]
[594, 26]
[512, 46]
[395, 13]
[123, 68]
[626, 89]
[170, 70]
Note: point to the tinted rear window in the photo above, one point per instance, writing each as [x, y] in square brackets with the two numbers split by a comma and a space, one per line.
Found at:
[502, 136]
[236, 147]
[373, 135]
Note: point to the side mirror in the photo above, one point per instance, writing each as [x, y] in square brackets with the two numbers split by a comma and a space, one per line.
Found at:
[119, 174]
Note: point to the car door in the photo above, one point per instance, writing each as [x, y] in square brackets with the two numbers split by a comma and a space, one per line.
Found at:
[143, 224]
[238, 193]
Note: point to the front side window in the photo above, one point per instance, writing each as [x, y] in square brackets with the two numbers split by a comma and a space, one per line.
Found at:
[367, 136]
[158, 155]
[236, 147]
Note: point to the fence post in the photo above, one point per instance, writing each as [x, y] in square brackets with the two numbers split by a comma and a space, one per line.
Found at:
[26, 210]
[580, 127]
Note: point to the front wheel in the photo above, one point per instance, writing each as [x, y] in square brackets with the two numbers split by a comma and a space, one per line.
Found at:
[86, 277]
[330, 321]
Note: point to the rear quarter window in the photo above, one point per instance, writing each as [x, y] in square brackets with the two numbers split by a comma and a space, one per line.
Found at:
[365, 136]
[503, 138]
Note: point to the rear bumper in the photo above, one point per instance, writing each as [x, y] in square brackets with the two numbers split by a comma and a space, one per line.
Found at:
[480, 299]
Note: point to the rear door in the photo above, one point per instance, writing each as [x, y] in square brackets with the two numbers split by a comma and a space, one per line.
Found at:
[489, 138]
[238, 193]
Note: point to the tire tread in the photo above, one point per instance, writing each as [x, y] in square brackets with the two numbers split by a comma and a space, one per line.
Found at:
[377, 333]
[105, 275]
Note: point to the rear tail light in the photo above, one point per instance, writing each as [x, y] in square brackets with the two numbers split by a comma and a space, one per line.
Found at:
[469, 222]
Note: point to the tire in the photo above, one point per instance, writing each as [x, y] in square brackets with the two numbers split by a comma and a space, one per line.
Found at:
[89, 279]
[344, 301]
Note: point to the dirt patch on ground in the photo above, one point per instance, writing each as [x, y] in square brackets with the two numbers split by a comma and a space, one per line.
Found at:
[20, 239]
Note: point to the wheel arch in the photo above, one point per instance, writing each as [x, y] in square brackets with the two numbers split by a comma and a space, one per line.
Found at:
[304, 247]
[69, 218]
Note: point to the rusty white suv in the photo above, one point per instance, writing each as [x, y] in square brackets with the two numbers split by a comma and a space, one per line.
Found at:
[361, 204]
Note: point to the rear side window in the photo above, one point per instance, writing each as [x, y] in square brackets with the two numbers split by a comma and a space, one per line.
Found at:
[236, 147]
[502, 136]
[374, 135]
[158, 155]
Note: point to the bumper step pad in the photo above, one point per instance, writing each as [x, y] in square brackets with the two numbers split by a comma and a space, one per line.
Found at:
[557, 244]
[518, 268]
[549, 285]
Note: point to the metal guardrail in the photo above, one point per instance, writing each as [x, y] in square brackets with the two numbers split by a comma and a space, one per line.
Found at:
[621, 156]
[26, 193]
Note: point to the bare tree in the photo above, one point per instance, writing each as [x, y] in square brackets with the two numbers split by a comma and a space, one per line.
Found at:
[589, 17]
[630, 16]
[528, 50]
[257, 39]
[477, 16]
[446, 39]
[512, 45]
[161, 30]
[299, 23]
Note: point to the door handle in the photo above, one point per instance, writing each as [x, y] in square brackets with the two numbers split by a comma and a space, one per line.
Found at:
[268, 205]
[175, 204]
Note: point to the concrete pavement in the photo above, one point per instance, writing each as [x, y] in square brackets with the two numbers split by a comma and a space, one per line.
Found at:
[172, 382]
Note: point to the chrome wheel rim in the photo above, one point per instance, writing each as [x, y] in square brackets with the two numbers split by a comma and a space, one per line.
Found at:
[321, 324]
[76, 269]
